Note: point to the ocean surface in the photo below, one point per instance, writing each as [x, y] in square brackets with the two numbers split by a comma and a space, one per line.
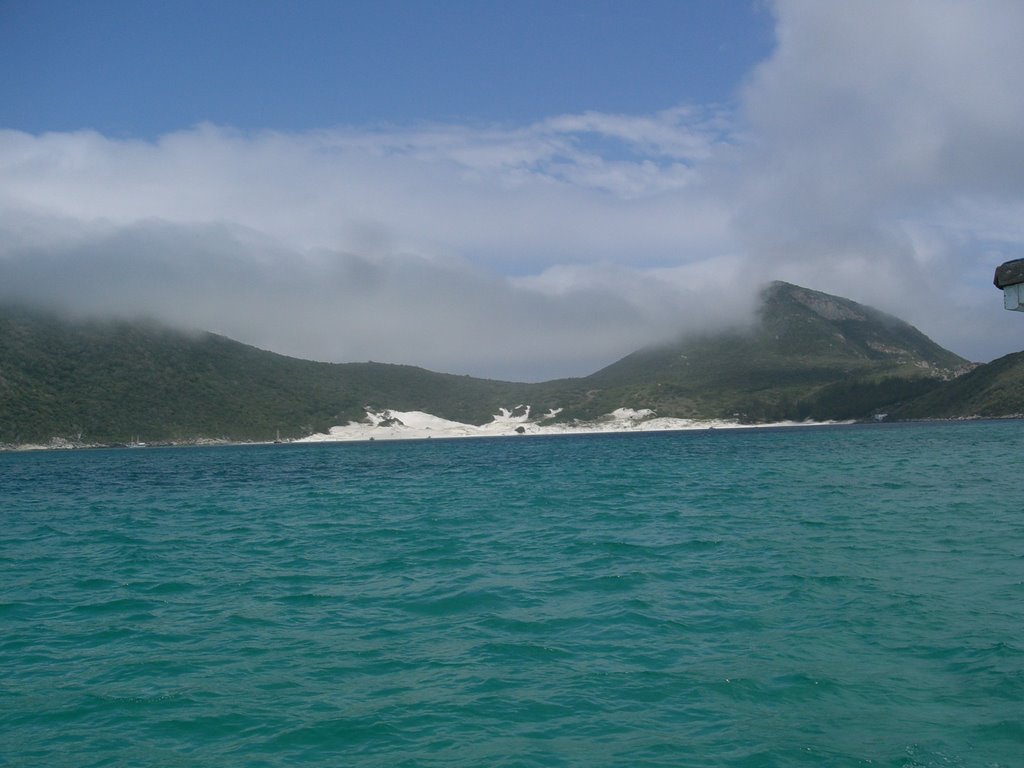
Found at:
[836, 596]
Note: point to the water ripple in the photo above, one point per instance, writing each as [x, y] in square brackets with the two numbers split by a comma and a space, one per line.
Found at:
[775, 598]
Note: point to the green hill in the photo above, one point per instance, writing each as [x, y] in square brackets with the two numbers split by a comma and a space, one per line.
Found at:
[992, 390]
[113, 382]
[808, 355]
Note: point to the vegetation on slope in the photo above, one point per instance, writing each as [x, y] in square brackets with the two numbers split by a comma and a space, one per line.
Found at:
[114, 382]
[992, 390]
[809, 355]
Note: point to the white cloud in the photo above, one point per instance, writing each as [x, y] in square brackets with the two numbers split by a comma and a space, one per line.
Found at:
[874, 155]
[341, 306]
[403, 245]
[872, 123]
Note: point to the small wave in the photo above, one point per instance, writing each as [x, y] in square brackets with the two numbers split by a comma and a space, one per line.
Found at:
[127, 605]
[465, 601]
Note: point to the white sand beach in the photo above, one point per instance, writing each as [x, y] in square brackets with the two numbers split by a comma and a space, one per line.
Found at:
[417, 425]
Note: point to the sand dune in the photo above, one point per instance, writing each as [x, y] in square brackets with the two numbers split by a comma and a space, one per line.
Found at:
[417, 425]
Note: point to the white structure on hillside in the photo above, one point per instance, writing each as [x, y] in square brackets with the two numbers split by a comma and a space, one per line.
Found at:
[1010, 280]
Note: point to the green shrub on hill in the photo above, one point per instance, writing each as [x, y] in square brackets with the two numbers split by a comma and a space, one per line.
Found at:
[809, 355]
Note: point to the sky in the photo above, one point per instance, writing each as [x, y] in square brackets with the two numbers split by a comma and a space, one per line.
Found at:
[520, 190]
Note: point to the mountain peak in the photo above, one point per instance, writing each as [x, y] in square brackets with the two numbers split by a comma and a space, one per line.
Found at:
[824, 305]
[810, 354]
[802, 321]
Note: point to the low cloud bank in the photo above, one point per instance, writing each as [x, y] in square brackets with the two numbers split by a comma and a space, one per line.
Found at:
[873, 155]
[503, 253]
[337, 306]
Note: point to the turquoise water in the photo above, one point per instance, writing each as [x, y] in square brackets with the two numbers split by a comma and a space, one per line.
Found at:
[837, 596]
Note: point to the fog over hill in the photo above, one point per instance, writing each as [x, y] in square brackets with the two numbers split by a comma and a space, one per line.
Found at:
[808, 355]
[874, 152]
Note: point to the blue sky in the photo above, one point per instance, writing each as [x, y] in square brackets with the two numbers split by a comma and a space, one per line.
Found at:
[520, 190]
[140, 69]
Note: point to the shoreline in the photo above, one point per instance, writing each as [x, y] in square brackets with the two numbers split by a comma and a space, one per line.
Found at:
[417, 425]
[388, 426]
